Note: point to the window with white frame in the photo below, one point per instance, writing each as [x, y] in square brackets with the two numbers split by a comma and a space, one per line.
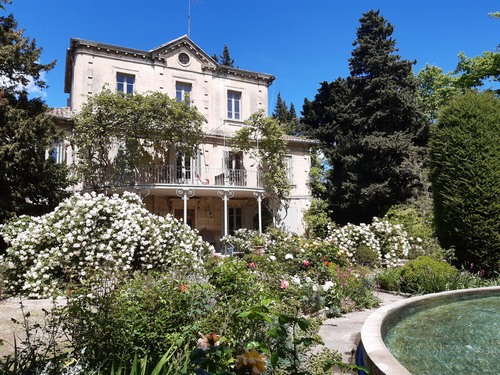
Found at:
[186, 165]
[58, 152]
[183, 92]
[234, 105]
[125, 83]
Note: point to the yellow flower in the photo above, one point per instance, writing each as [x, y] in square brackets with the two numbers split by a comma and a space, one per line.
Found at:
[252, 360]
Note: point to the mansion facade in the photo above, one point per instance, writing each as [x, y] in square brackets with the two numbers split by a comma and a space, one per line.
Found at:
[218, 190]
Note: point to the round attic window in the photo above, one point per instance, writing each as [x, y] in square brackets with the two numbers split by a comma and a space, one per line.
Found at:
[183, 58]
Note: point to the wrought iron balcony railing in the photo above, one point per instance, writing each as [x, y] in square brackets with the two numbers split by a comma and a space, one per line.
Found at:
[173, 175]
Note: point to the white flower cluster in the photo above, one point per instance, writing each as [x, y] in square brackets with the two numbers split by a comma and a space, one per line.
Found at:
[89, 233]
[314, 286]
[389, 241]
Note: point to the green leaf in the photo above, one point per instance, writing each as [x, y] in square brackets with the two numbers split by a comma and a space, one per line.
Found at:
[303, 324]
[283, 319]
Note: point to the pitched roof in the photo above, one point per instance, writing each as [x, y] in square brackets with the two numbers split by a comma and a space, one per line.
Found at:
[158, 53]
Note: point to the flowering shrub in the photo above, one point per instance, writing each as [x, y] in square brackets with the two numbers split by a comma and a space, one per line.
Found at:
[386, 240]
[91, 233]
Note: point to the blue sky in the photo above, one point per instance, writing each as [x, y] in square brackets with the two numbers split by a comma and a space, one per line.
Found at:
[301, 42]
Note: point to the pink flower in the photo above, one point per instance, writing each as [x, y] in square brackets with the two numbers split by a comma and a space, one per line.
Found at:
[251, 265]
[306, 263]
[284, 284]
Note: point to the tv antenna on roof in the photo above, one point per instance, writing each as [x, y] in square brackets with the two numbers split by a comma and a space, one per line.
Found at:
[189, 19]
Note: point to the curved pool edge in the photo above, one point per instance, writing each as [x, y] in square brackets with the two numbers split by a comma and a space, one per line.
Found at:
[376, 356]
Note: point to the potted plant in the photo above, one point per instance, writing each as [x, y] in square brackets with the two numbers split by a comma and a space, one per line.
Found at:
[258, 243]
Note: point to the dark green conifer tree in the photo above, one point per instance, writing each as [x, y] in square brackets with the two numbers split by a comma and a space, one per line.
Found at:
[281, 112]
[371, 128]
[465, 173]
[31, 182]
[225, 59]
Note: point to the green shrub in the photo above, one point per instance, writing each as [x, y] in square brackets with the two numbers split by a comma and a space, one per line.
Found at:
[111, 322]
[317, 220]
[465, 173]
[417, 223]
[427, 275]
[366, 256]
[389, 279]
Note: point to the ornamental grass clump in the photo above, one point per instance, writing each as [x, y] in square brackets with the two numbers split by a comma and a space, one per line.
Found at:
[94, 233]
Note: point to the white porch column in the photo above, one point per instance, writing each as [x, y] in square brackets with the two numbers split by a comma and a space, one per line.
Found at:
[259, 197]
[185, 194]
[225, 195]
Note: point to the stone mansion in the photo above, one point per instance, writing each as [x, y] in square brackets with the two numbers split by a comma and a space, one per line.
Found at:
[218, 191]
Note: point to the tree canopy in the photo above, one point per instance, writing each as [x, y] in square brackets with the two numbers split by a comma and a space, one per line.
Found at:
[19, 58]
[370, 126]
[144, 127]
[32, 182]
[437, 88]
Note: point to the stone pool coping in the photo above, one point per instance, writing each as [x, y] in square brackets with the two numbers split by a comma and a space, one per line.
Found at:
[376, 356]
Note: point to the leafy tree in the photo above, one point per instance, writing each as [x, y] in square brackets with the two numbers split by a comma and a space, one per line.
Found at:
[145, 127]
[473, 72]
[32, 183]
[465, 160]
[371, 128]
[270, 154]
[317, 217]
[435, 90]
[494, 15]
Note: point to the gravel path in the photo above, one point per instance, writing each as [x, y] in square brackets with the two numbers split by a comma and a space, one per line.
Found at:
[11, 309]
[343, 333]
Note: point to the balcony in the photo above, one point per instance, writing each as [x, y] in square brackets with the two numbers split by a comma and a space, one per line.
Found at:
[175, 176]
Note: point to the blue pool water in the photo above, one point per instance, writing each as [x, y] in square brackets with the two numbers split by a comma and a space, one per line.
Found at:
[460, 337]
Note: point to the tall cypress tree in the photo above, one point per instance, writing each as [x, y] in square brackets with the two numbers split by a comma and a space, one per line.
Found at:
[371, 128]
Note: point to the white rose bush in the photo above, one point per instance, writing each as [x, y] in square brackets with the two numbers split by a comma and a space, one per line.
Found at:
[93, 233]
[389, 241]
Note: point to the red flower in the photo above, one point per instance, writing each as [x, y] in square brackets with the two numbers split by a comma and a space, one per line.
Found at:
[251, 265]
[327, 264]
[306, 263]
[183, 287]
